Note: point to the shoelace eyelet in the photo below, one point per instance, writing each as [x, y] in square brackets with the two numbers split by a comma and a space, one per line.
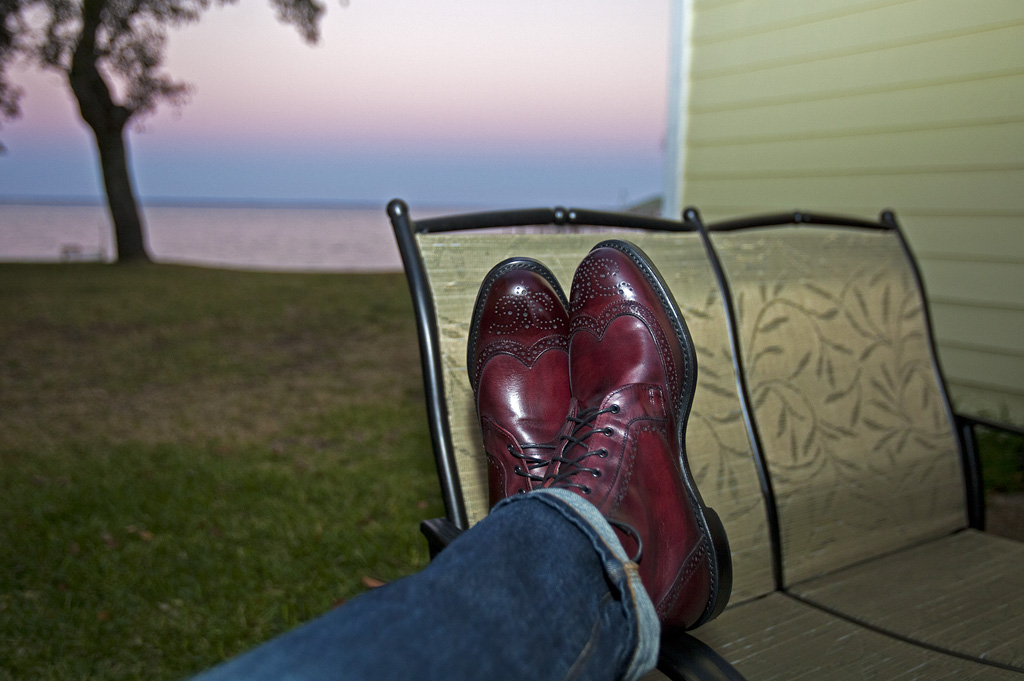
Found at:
[615, 409]
[609, 431]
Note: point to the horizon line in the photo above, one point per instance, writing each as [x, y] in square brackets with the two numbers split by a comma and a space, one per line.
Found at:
[235, 202]
[213, 202]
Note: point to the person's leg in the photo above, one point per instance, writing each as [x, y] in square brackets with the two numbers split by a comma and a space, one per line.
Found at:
[540, 589]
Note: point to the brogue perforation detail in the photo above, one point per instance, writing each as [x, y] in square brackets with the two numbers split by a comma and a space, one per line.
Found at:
[698, 558]
[596, 277]
[528, 355]
[523, 310]
[598, 326]
[634, 445]
[689, 357]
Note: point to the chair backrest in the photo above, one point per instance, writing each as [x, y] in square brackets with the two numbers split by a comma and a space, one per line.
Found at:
[854, 425]
[445, 269]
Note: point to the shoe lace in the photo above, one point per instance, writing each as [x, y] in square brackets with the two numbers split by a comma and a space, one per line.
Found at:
[581, 431]
[571, 466]
[530, 463]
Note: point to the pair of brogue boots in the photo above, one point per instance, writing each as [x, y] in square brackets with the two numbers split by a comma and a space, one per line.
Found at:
[592, 395]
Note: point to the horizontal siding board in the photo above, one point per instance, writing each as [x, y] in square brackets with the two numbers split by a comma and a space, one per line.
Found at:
[998, 354]
[941, 106]
[716, 20]
[952, 149]
[964, 192]
[984, 370]
[972, 237]
[966, 325]
[961, 58]
[883, 27]
[994, 283]
[849, 106]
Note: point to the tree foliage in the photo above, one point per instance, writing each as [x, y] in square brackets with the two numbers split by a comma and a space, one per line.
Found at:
[126, 38]
[111, 54]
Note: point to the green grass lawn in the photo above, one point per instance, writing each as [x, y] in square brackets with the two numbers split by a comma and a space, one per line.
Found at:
[194, 460]
[1002, 461]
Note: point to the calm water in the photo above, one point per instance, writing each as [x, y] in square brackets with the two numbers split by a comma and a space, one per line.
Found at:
[323, 239]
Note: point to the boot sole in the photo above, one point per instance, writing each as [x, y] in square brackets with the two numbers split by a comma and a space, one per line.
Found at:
[720, 556]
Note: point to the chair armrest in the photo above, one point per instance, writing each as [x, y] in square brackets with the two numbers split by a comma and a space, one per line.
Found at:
[966, 426]
[972, 421]
[440, 532]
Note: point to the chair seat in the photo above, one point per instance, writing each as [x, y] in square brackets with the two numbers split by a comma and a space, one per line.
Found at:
[963, 593]
[778, 637]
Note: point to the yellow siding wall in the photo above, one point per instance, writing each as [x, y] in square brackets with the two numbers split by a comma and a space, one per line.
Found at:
[855, 105]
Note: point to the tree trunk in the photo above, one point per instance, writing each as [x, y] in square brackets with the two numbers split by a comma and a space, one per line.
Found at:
[124, 211]
[108, 122]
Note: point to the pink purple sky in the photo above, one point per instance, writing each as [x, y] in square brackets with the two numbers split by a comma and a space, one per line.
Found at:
[462, 101]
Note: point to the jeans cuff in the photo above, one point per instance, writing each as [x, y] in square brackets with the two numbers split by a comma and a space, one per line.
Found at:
[621, 571]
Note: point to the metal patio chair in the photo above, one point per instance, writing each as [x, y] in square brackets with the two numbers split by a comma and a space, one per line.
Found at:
[777, 624]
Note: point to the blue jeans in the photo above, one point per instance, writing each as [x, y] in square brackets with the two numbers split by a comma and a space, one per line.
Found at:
[540, 589]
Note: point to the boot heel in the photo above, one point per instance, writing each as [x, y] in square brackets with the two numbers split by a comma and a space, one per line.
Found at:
[723, 569]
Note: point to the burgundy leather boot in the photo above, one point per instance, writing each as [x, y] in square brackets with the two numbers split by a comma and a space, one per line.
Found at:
[633, 370]
[519, 368]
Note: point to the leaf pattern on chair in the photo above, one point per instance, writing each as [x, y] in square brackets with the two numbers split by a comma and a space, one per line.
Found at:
[844, 393]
